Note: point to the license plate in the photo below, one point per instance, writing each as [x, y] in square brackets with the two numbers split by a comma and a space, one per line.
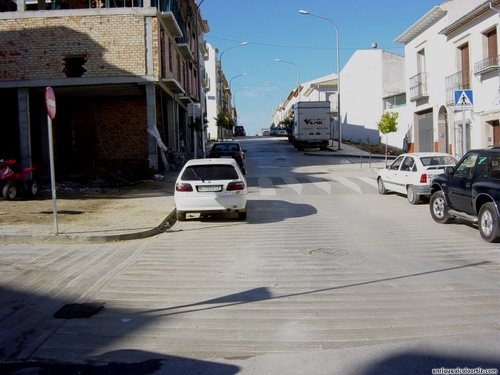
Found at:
[210, 188]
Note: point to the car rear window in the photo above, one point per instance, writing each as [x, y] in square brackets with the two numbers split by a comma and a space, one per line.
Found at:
[429, 161]
[209, 172]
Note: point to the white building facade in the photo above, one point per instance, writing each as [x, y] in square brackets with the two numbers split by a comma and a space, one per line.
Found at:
[371, 83]
[454, 47]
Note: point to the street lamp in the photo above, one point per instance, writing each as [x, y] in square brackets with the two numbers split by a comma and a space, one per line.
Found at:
[338, 72]
[272, 99]
[281, 100]
[234, 95]
[298, 74]
[231, 80]
[220, 71]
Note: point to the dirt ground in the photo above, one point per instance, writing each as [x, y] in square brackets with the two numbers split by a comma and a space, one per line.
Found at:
[77, 205]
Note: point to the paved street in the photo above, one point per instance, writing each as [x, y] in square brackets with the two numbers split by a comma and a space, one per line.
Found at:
[325, 277]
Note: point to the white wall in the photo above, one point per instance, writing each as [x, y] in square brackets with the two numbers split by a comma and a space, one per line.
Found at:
[211, 68]
[369, 76]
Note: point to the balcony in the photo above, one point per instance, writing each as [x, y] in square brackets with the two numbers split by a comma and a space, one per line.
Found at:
[487, 65]
[418, 87]
[457, 81]
[205, 79]
[185, 51]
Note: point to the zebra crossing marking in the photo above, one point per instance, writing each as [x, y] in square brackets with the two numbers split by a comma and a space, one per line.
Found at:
[348, 183]
[266, 186]
[369, 181]
[293, 184]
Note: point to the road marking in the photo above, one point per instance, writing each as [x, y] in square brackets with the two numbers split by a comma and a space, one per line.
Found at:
[266, 186]
[348, 183]
[293, 184]
[322, 185]
[369, 181]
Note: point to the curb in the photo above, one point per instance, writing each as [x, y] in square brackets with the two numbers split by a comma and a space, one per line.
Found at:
[84, 238]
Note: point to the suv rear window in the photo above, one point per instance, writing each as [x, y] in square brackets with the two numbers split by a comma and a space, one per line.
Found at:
[210, 172]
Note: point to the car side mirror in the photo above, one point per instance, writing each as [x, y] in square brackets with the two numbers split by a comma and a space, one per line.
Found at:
[449, 170]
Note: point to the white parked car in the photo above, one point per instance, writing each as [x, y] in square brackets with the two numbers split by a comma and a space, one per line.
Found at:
[412, 174]
[211, 186]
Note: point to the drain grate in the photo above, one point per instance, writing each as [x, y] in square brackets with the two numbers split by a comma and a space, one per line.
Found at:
[78, 310]
[329, 251]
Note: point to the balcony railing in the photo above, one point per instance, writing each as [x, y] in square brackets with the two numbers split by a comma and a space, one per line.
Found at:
[418, 87]
[487, 65]
[458, 81]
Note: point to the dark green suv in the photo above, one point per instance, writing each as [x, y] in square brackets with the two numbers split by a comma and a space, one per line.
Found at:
[470, 190]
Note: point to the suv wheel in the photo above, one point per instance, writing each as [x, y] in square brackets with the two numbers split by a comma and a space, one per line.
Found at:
[488, 222]
[439, 208]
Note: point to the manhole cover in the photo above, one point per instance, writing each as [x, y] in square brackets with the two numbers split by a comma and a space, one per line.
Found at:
[329, 251]
[78, 310]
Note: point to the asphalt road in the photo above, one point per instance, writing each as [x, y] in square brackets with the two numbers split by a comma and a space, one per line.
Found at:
[325, 277]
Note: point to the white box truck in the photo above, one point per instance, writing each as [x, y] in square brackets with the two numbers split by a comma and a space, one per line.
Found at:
[312, 125]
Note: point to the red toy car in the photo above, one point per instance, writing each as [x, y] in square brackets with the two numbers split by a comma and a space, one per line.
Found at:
[12, 182]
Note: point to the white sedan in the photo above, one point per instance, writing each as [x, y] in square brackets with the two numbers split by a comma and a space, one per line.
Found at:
[412, 174]
[211, 186]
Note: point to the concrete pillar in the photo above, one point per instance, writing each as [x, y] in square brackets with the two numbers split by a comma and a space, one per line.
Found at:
[172, 124]
[24, 127]
[151, 121]
[21, 6]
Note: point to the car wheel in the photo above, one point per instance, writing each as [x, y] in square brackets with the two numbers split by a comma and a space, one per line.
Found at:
[439, 208]
[181, 216]
[32, 188]
[242, 215]
[9, 191]
[488, 223]
[381, 187]
[413, 197]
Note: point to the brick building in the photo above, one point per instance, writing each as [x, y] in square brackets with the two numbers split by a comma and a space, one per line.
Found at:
[124, 75]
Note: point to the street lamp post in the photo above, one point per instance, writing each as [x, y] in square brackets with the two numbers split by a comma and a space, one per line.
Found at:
[234, 103]
[272, 99]
[234, 95]
[220, 71]
[281, 98]
[298, 74]
[338, 72]
[231, 80]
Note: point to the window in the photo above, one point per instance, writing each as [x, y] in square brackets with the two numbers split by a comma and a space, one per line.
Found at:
[466, 166]
[210, 172]
[465, 65]
[73, 66]
[397, 163]
[494, 166]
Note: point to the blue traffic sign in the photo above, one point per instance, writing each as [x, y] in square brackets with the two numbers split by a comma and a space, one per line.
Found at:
[463, 99]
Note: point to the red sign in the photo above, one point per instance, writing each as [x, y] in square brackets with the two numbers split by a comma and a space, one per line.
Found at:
[50, 102]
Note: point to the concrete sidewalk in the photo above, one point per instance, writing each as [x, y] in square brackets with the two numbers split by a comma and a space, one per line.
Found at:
[131, 214]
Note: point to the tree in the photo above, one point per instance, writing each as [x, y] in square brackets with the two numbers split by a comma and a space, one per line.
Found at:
[223, 121]
[388, 124]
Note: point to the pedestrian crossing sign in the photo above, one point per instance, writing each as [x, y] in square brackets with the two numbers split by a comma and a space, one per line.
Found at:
[463, 99]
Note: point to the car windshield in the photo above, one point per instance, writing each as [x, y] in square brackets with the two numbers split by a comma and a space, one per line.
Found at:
[209, 172]
[428, 161]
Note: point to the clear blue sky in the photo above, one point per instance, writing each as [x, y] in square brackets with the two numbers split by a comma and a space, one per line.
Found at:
[276, 29]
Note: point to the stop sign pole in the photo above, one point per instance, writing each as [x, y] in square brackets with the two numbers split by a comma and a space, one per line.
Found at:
[50, 104]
